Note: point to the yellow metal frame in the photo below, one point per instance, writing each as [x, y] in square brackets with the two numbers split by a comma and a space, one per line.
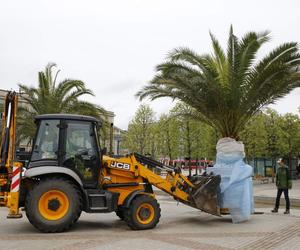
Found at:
[172, 184]
[10, 199]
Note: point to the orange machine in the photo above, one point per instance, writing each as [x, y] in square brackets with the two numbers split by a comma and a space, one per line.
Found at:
[68, 173]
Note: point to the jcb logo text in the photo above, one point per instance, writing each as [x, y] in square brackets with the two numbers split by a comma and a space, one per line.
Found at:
[120, 165]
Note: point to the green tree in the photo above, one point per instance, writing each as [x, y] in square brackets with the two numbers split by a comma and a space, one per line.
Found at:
[268, 134]
[52, 97]
[273, 127]
[168, 136]
[274, 137]
[141, 132]
[188, 129]
[196, 139]
[226, 89]
[206, 140]
[255, 137]
[187, 139]
[291, 134]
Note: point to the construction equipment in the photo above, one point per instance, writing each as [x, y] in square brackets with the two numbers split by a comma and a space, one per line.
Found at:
[10, 171]
[68, 173]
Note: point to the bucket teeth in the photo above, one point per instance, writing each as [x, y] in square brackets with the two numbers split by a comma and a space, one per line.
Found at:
[204, 195]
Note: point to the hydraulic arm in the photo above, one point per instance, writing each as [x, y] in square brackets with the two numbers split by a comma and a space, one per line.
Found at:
[199, 193]
[10, 171]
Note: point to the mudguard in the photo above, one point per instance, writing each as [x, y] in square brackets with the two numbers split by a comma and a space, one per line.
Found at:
[39, 171]
[130, 197]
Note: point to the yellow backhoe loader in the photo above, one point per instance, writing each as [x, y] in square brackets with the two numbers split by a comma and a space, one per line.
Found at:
[68, 173]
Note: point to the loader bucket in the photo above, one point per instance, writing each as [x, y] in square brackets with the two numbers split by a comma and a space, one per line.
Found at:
[204, 195]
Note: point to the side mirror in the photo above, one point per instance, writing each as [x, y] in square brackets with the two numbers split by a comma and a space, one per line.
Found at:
[104, 151]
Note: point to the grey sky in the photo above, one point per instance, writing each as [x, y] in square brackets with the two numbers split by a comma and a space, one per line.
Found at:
[113, 46]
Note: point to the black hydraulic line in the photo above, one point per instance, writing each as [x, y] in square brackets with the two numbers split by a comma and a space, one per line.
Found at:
[151, 163]
[4, 148]
[126, 184]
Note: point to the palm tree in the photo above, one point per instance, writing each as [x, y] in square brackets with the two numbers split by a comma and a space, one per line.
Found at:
[53, 97]
[226, 88]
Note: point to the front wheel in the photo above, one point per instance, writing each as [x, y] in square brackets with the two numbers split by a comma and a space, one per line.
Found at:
[53, 205]
[143, 213]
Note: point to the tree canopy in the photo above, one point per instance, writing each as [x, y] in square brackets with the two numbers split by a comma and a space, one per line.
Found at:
[51, 96]
[140, 131]
[226, 88]
[171, 136]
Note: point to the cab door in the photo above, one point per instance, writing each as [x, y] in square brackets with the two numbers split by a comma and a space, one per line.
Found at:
[82, 154]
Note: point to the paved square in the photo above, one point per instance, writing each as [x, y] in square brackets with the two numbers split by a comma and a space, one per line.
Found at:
[180, 227]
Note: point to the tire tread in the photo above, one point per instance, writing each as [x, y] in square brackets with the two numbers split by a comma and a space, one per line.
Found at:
[50, 228]
[129, 213]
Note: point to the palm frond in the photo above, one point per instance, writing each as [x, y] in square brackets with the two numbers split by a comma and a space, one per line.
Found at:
[51, 98]
[225, 90]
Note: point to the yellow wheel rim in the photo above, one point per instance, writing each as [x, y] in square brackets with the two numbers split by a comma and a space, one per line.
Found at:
[145, 213]
[53, 205]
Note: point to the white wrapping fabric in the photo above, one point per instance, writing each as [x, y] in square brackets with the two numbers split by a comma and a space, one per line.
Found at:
[228, 145]
[236, 191]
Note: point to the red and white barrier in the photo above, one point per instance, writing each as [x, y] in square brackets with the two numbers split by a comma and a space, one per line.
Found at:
[16, 179]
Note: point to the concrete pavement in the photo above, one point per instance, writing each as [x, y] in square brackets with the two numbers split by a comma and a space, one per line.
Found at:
[180, 227]
[266, 193]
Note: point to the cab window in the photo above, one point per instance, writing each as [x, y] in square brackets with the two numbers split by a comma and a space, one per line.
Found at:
[81, 153]
[46, 144]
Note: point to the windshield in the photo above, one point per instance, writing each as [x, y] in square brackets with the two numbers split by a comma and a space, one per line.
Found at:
[46, 144]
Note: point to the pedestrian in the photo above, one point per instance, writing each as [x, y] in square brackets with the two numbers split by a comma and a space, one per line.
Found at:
[283, 183]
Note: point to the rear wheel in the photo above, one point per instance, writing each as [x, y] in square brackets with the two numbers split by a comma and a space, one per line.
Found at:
[143, 213]
[53, 205]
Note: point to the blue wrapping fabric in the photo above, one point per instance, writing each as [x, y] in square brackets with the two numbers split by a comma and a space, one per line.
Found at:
[236, 190]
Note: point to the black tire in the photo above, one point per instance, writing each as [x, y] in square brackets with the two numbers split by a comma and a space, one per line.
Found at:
[134, 215]
[72, 212]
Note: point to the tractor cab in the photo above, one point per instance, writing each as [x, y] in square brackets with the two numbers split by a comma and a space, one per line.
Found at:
[68, 141]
